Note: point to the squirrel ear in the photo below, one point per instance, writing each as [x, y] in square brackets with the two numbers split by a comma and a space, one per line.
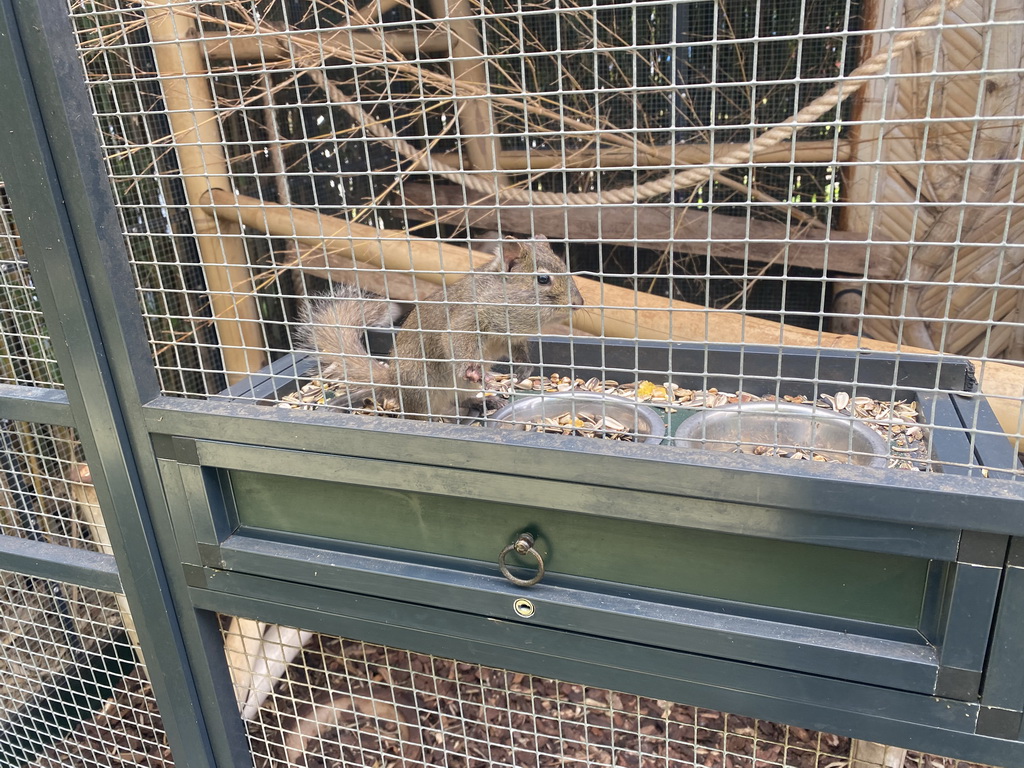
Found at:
[541, 238]
[513, 250]
[490, 242]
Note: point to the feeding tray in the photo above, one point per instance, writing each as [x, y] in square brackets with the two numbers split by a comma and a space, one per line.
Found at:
[963, 433]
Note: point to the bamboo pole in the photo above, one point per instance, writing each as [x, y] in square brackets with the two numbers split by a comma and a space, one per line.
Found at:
[341, 43]
[197, 140]
[189, 104]
[469, 76]
[800, 152]
[610, 310]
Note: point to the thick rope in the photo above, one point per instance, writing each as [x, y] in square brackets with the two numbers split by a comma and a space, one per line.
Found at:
[673, 181]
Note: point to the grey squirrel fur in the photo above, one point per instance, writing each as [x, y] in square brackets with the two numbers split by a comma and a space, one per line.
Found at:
[442, 349]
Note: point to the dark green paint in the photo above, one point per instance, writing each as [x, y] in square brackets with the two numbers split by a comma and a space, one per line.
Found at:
[868, 586]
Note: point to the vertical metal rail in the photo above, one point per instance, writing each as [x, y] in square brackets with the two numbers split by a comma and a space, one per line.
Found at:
[51, 162]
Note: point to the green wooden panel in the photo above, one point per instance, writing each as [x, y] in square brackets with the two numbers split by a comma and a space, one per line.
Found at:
[887, 589]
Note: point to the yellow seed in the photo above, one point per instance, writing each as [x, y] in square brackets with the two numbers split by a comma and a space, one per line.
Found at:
[645, 389]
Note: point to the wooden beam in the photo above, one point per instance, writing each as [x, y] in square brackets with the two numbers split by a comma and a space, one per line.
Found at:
[660, 227]
[799, 152]
[345, 268]
[339, 43]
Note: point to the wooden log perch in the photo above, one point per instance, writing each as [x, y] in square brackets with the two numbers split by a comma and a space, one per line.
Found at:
[345, 268]
[660, 227]
[475, 116]
[431, 260]
[610, 310]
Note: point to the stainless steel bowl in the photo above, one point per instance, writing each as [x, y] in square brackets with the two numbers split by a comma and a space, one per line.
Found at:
[646, 422]
[743, 426]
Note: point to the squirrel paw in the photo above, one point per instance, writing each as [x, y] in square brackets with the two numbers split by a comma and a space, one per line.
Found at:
[475, 372]
[488, 403]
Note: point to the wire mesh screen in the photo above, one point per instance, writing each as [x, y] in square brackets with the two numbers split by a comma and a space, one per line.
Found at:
[793, 174]
[26, 356]
[502, 213]
[72, 692]
[46, 491]
[345, 702]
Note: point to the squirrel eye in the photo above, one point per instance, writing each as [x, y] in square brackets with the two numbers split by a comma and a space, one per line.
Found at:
[543, 279]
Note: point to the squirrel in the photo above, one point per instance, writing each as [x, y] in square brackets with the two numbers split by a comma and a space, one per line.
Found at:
[438, 365]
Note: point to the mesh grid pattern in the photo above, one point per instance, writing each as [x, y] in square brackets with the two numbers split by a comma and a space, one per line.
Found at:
[71, 692]
[26, 356]
[344, 702]
[134, 130]
[46, 492]
[329, 141]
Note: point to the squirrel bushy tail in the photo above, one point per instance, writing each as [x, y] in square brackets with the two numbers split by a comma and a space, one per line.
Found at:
[332, 328]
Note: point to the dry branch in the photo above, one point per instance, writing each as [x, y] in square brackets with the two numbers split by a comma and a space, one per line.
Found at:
[661, 227]
[340, 43]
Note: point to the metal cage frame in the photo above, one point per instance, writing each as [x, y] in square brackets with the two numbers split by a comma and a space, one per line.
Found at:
[183, 553]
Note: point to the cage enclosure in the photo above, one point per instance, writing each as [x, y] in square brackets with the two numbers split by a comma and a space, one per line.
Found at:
[706, 209]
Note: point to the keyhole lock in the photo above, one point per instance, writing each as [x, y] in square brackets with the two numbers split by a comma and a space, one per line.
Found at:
[524, 607]
[522, 546]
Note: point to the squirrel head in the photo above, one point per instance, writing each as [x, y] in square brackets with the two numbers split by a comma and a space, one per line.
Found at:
[534, 274]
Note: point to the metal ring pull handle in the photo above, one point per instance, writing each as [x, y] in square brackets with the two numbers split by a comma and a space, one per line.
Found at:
[522, 546]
